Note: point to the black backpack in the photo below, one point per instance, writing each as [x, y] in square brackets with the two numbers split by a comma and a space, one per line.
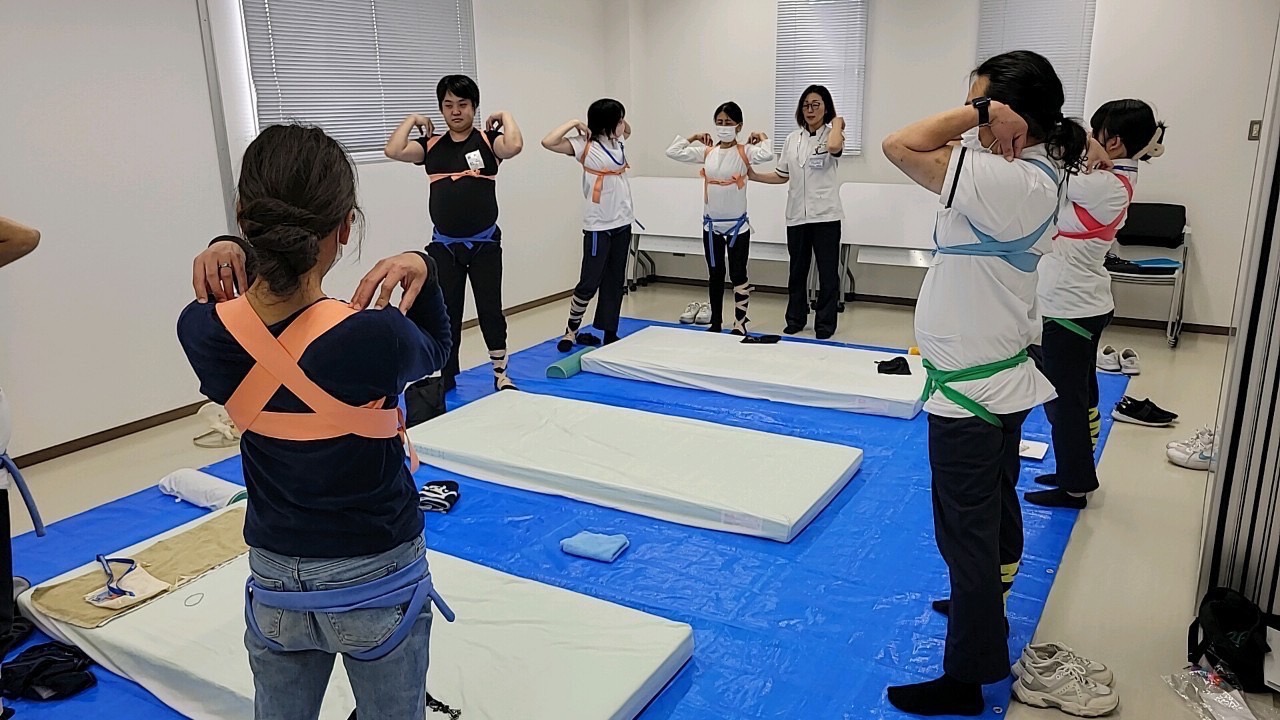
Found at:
[423, 400]
[1231, 633]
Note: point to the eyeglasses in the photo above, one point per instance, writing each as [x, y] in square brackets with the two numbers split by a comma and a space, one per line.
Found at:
[812, 106]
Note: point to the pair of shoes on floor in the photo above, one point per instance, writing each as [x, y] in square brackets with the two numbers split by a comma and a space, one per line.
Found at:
[1142, 412]
[1124, 361]
[1052, 675]
[696, 313]
[1195, 453]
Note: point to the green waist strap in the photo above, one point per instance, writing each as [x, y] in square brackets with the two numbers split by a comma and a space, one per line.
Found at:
[1073, 327]
[940, 381]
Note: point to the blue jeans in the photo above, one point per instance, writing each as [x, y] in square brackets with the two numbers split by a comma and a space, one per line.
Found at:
[290, 685]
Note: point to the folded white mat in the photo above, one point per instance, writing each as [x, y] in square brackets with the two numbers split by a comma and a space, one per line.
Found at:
[201, 489]
[519, 649]
[800, 373]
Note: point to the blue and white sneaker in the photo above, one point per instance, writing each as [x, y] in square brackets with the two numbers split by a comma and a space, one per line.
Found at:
[1195, 454]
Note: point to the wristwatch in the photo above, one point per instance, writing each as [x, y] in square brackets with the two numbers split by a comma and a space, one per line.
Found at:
[983, 106]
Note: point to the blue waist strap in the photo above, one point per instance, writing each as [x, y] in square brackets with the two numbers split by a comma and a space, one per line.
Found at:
[709, 224]
[486, 236]
[1015, 252]
[7, 463]
[411, 586]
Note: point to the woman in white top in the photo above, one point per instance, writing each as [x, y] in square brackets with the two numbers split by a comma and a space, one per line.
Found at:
[975, 318]
[1075, 291]
[725, 228]
[808, 163]
[606, 216]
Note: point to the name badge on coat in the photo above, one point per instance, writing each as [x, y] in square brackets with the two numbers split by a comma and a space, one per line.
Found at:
[474, 160]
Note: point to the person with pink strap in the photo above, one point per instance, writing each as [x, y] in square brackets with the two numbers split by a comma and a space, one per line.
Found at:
[314, 384]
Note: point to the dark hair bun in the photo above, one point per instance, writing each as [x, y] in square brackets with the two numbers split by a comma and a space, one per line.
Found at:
[285, 241]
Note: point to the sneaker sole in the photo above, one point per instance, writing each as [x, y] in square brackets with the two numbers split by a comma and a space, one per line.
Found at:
[1197, 468]
[686, 322]
[1045, 700]
[1112, 370]
[1130, 373]
[1134, 421]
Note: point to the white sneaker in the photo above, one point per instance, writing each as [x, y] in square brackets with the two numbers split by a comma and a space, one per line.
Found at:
[1067, 688]
[1203, 434]
[1109, 360]
[222, 432]
[1058, 653]
[690, 313]
[704, 315]
[1129, 364]
[1196, 454]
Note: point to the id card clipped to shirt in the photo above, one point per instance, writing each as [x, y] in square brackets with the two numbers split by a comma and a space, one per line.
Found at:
[820, 157]
[475, 160]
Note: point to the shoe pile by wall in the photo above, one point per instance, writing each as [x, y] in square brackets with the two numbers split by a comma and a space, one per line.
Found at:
[1052, 675]
[1194, 453]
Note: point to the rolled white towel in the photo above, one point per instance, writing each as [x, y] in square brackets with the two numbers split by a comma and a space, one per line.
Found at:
[202, 489]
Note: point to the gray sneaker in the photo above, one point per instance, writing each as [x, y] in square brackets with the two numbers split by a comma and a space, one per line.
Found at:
[1053, 652]
[1064, 686]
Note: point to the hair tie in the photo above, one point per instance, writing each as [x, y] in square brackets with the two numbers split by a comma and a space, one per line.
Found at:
[1155, 148]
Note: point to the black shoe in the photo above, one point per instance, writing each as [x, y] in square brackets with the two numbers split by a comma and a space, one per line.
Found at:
[1142, 412]
[1048, 479]
[1057, 498]
[611, 338]
[943, 608]
[565, 345]
[944, 696]
[824, 335]
[715, 328]
[587, 339]
[791, 329]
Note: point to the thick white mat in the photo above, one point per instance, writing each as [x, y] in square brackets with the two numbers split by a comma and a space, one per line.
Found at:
[827, 376]
[519, 649]
[686, 471]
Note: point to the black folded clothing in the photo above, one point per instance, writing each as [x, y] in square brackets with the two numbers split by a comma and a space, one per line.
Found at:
[896, 366]
[761, 339]
[439, 496]
[51, 671]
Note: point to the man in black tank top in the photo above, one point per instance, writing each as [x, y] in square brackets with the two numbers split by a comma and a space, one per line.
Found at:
[462, 167]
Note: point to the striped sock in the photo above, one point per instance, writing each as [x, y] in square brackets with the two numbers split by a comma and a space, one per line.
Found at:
[1007, 574]
[1095, 426]
[741, 297]
[500, 379]
[577, 308]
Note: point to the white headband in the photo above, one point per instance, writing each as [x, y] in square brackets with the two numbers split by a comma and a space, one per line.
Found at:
[1154, 149]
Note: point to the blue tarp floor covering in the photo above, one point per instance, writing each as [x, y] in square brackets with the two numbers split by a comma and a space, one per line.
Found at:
[811, 629]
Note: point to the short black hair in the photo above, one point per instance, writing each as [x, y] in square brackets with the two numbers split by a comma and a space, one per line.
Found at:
[603, 117]
[731, 109]
[827, 102]
[461, 86]
[1133, 121]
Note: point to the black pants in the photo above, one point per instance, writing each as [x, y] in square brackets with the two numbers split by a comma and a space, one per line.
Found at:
[978, 525]
[604, 269]
[1069, 361]
[482, 262]
[714, 249]
[6, 568]
[822, 241]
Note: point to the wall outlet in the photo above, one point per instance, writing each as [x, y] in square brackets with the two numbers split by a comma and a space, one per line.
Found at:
[1255, 130]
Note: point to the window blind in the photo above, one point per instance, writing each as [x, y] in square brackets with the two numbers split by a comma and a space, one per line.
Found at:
[820, 42]
[1060, 30]
[355, 68]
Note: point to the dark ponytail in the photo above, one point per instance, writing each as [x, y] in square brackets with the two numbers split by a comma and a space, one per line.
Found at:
[297, 185]
[1027, 83]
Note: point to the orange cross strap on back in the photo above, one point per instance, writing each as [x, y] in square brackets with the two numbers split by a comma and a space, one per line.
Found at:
[434, 177]
[738, 179]
[1094, 230]
[277, 365]
[598, 187]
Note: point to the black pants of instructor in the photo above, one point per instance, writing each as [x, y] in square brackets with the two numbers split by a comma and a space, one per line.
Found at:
[714, 248]
[1069, 361]
[978, 524]
[482, 263]
[604, 269]
[822, 241]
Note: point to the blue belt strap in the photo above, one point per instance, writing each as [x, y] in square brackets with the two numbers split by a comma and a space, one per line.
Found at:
[411, 586]
[708, 226]
[7, 463]
[486, 236]
[1015, 252]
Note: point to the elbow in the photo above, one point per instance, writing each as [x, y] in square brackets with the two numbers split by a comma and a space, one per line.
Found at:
[549, 144]
[892, 148]
[29, 241]
[391, 153]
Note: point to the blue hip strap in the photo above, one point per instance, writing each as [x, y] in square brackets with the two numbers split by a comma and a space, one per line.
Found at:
[412, 585]
[7, 463]
[708, 226]
[486, 236]
[1015, 252]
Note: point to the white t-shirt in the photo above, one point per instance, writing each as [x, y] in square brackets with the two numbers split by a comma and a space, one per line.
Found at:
[614, 209]
[1073, 282]
[813, 193]
[725, 203]
[975, 310]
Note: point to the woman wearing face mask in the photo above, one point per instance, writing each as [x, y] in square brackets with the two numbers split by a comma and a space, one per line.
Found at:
[808, 163]
[1075, 291]
[975, 318]
[606, 216]
[726, 164]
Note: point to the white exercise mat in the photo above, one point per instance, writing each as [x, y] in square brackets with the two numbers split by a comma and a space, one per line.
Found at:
[800, 373]
[519, 649]
[686, 471]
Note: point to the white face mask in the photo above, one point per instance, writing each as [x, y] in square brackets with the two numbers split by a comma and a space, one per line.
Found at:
[969, 138]
[726, 133]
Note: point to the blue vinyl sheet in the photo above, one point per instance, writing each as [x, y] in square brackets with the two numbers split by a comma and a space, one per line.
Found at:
[815, 628]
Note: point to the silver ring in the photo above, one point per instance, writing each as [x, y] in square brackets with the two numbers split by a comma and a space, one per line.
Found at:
[223, 265]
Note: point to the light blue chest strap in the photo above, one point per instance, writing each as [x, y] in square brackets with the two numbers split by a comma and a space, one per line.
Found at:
[469, 242]
[709, 224]
[1015, 252]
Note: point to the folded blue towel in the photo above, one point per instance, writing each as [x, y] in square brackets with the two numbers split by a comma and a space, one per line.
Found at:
[594, 546]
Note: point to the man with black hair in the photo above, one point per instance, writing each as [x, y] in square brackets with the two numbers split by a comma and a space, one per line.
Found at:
[462, 165]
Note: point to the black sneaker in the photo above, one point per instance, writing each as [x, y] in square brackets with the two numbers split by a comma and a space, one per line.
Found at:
[1142, 412]
[1057, 498]
[1048, 479]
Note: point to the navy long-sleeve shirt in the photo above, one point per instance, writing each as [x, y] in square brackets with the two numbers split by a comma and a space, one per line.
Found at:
[346, 496]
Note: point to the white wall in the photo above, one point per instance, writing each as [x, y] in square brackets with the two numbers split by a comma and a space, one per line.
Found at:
[919, 54]
[108, 149]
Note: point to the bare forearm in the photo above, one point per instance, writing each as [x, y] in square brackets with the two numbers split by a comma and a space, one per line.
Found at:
[399, 142]
[16, 240]
[514, 139]
[768, 178]
[932, 132]
[554, 137]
